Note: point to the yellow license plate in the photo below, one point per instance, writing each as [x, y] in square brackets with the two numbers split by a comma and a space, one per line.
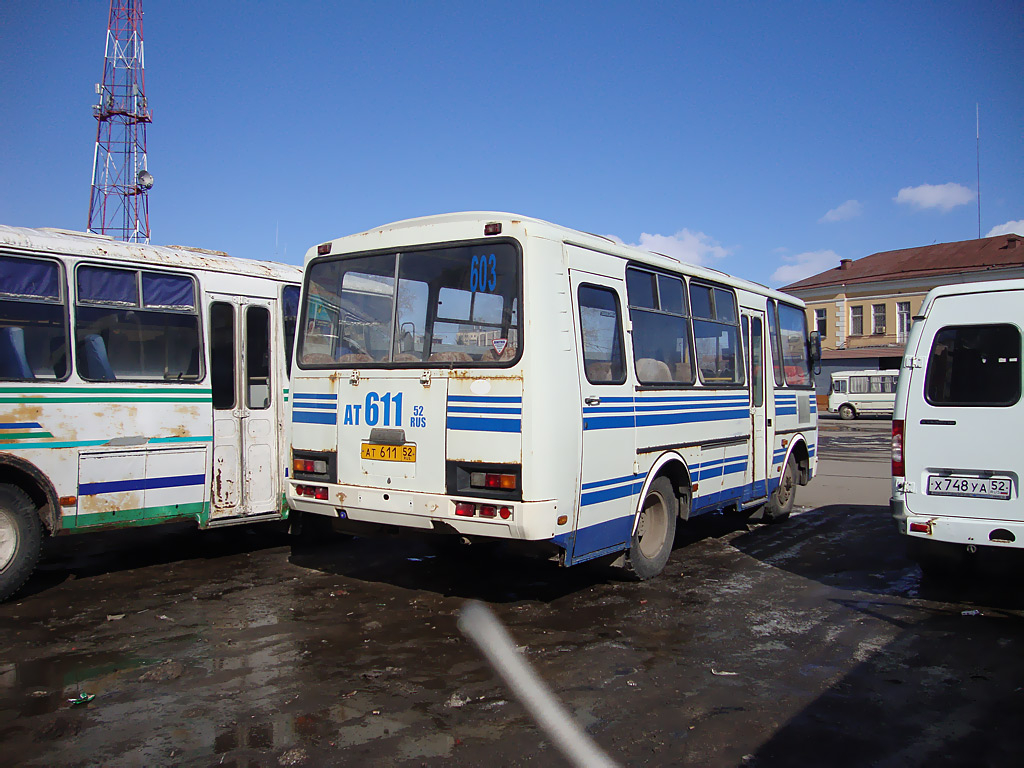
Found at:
[388, 452]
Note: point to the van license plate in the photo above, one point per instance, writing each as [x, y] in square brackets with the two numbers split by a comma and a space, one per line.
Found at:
[376, 452]
[970, 487]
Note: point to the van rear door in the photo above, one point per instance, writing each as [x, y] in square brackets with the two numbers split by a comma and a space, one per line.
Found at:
[961, 448]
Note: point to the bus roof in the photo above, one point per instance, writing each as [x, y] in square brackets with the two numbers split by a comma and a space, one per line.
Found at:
[466, 225]
[89, 245]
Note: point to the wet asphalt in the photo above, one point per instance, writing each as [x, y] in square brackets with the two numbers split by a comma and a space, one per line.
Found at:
[812, 642]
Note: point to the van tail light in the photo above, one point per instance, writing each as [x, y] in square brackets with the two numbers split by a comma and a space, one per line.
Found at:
[898, 464]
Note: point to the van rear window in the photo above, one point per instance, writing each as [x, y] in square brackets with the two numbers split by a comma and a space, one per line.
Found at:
[974, 365]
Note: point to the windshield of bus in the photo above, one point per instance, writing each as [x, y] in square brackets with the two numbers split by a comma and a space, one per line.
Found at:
[446, 305]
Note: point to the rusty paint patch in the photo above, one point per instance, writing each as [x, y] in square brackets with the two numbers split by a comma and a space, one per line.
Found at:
[465, 373]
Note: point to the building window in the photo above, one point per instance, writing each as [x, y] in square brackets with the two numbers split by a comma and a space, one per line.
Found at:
[878, 319]
[820, 322]
[856, 321]
[902, 321]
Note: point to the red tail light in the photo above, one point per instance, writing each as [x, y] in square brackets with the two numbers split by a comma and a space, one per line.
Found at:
[465, 509]
[898, 464]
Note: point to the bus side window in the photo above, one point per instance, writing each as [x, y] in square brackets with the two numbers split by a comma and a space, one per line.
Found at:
[136, 325]
[290, 316]
[222, 355]
[257, 358]
[33, 324]
[601, 328]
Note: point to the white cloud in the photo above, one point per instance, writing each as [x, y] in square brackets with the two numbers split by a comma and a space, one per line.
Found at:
[803, 265]
[1009, 228]
[943, 196]
[851, 209]
[691, 247]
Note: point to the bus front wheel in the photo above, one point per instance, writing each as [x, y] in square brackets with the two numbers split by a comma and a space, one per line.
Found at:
[846, 412]
[655, 530]
[21, 536]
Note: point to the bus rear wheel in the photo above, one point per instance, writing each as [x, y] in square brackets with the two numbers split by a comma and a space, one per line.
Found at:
[780, 503]
[655, 530]
[846, 412]
[21, 537]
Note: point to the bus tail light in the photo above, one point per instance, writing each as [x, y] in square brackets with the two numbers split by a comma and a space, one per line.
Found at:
[309, 466]
[492, 480]
[505, 512]
[312, 491]
[465, 508]
[898, 464]
[921, 528]
[486, 510]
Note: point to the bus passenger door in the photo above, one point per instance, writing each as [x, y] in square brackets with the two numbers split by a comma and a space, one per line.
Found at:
[753, 329]
[609, 482]
[246, 408]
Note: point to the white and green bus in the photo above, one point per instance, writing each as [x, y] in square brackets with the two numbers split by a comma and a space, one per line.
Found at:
[138, 385]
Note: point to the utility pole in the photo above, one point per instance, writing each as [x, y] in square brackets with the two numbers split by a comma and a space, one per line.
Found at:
[119, 200]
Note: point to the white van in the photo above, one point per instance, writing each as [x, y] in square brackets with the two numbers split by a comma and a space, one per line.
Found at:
[956, 450]
[862, 393]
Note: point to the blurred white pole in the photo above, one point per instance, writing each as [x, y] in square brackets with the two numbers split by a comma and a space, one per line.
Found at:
[480, 625]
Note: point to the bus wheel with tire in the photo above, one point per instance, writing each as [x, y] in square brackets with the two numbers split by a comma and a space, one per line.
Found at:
[780, 503]
[846, 412]
[655, 532]
[21, 537]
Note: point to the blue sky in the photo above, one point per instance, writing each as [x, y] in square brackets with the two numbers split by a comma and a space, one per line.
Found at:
[765, 139]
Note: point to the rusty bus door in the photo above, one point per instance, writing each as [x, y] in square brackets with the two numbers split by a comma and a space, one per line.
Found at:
[245, 480]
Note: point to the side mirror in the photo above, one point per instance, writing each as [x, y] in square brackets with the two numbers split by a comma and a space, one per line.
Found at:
[814, 347]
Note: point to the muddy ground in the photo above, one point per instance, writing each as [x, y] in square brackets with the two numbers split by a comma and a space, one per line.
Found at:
[813, 642]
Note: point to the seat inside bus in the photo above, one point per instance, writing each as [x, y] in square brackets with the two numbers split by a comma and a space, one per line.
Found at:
[13, 359]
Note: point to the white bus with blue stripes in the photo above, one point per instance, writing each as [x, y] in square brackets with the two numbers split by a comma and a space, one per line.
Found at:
[138, 385]
[490, 376]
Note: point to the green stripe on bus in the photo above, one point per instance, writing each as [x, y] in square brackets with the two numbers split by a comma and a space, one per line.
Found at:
[107, 390]
[142, 516]
[90, 443]
[28, 400]
[6, 437]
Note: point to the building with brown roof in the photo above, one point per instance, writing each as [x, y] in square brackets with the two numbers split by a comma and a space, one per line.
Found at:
[863, 308]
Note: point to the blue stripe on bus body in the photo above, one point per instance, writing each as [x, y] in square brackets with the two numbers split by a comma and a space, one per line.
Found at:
[482, 399]
[479, 424]
[486, 411]
[312, 417]
[312, 396]
[655, 420]
[143, 484]
[600, 483]
[21, 425]
[320, 406]
[614, 492]
[608, 422]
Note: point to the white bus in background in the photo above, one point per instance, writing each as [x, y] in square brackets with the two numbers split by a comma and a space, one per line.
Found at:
[138, 385]
[528, 382]
[862, 393]
[956, 448]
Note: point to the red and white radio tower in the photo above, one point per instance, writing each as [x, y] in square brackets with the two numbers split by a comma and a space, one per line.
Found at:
[119, 202]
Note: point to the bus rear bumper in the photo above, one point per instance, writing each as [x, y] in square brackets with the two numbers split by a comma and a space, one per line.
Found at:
[969, 531]
[527, 521]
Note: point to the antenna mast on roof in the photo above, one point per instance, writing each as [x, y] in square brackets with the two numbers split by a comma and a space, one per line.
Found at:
[119, 200]
[977, 139]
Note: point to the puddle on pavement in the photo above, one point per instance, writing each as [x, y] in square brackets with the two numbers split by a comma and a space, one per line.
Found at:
[44, 685]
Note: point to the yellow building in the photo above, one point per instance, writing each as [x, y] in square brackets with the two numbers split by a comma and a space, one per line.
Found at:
[863, 309]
